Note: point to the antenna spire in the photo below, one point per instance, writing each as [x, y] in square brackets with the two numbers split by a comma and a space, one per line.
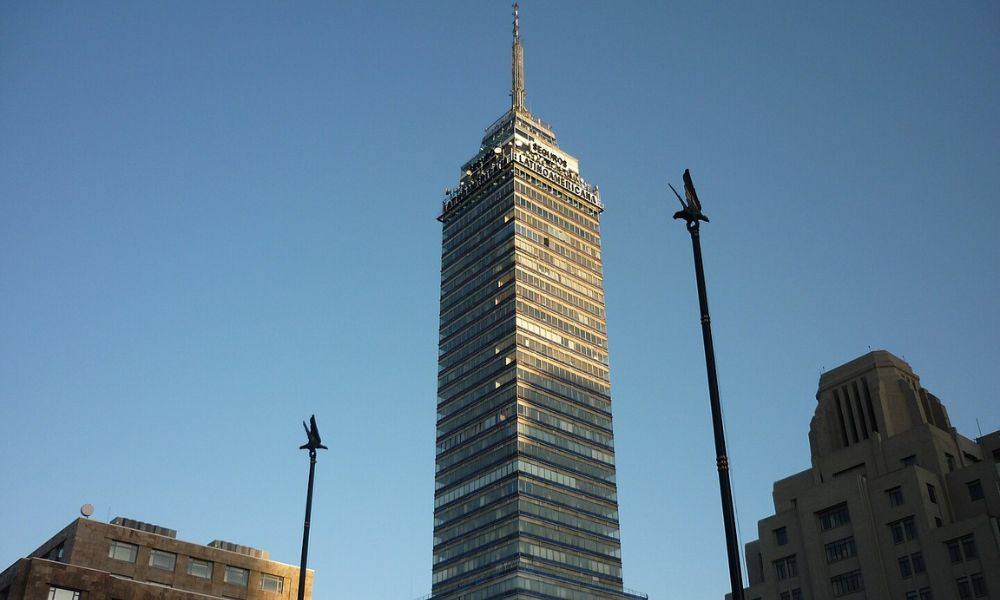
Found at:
[517, 85]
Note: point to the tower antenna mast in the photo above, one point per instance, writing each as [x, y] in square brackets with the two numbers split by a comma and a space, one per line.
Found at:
[517, 68]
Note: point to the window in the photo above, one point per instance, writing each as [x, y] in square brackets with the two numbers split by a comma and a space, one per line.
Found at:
[786, 567]
[57, 552]
[973, 586]
[56, 593]
[962, 549]
[236, 576]
[931, 495]
[895, 496]
[123, 551]
[795, 594]
[199, 568]
[950, 460]
[911, 565]
[903, 530]
[834, 517]
[162, 560]
[271, 583]
[847, 583]
[781, 536]
[839, 550]
[909, 460]
[905, 570]
[921, 594]
[975, 490]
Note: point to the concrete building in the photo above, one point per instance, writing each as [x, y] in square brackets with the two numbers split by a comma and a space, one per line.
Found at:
[525, 502]
[897, 505]
[131, 560]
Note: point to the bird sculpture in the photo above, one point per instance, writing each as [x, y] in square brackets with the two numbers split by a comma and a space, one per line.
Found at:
[312, 432]
[692, 208]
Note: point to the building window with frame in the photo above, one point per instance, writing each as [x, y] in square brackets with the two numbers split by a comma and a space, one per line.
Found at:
[271, 583]
[909, 460]
[123, 551]
[58, 593]
[199, 568]
[975, 490]
[903, 530]
[786, 567]
[781, 536]
[950, 460]
[834, 517]
[236, 576]
[838, 550]
[962, 549]
[972, 586]
[905, 570]
[795, 594]
[847, 583]
[895, 496]
[931, 494]
[158, 559]
[919, 567]
[921, 594]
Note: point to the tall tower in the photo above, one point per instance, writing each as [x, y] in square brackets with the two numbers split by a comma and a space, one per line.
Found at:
[525, 500]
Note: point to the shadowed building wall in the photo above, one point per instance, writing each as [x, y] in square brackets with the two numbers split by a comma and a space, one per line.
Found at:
[897, 504]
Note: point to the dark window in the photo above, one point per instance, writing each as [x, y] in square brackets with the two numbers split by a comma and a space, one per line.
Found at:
[971, 586]
[839, 550]
[950, 460]
[781, 536]
[786, 567]
[975, 490]
[834, 517]
[905, 570]
[909, 460]
[795, 594]
[937, 522]
[847, 583]
[918, 563]
[978, 585]
[931, 495]
[962, 549]
[903, 530]
[921, 594]
[895, 496]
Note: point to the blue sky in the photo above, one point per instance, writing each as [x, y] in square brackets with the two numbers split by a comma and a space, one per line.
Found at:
[218, 218]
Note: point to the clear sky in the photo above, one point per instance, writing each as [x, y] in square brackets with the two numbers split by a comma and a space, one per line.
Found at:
[217, 218]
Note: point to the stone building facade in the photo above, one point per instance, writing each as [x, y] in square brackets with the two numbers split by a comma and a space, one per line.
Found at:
[131, 560]
[897, 504]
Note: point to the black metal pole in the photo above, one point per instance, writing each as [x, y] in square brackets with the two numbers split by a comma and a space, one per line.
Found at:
[692, 215]
[305, 527]
[722, 459]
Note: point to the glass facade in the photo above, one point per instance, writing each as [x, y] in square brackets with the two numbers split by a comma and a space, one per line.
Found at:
[525, 494]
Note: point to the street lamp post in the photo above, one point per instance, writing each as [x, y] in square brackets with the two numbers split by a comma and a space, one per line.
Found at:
[314, 443]
[692, 215]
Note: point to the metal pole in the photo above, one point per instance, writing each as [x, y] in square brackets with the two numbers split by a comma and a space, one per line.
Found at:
[305, 527]
[692, 215]
[722, 459]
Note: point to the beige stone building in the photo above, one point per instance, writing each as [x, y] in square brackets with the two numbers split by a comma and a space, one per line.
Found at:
[131, 560]
[897, 505]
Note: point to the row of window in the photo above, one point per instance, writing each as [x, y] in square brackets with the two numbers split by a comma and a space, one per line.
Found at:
[895, 495]
[167, 561]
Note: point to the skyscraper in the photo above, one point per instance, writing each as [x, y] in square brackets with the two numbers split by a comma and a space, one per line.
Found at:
[525, 497]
